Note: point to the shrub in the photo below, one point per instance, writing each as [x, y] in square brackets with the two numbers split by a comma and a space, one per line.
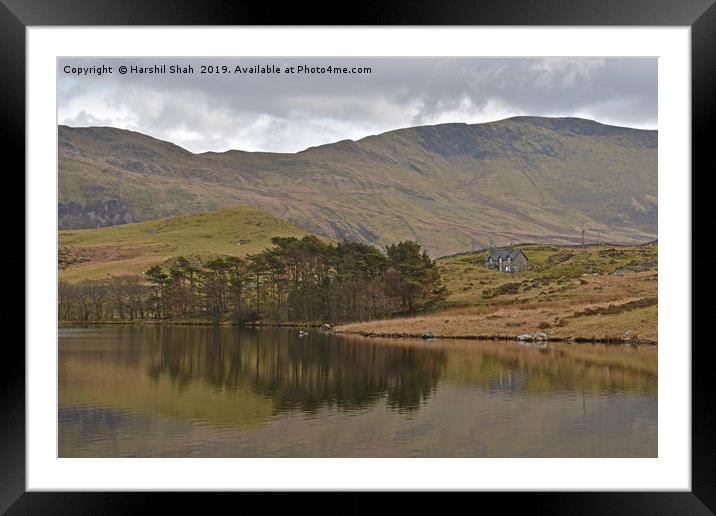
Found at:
[488, 294]
[508, 288]
[559, 257]
[245, 315]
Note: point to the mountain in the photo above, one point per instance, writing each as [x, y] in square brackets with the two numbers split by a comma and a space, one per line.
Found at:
[453, 187]
[132, 248]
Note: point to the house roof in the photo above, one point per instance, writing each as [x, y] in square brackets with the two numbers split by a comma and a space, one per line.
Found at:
[495, 254]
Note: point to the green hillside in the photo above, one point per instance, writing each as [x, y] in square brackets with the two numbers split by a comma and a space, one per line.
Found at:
[453, 187]
[131, 248]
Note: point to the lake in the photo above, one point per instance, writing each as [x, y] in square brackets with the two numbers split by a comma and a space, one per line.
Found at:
[190, 391]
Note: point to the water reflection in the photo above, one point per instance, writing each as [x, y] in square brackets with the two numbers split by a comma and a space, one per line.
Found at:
[175, 380]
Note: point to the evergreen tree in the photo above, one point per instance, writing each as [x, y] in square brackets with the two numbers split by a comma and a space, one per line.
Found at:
[303, 279]
[418, 282]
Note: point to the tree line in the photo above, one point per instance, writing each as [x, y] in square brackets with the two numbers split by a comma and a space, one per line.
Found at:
[296, 280]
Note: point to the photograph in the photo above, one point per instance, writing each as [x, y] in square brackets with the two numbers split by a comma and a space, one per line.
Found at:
[343, 257]
[422, 248]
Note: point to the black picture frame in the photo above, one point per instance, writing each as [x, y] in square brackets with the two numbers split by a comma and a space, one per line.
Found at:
[17, 15]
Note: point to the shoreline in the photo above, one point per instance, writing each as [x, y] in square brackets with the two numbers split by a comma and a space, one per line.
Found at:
[180, 322]
[515, 338]
[369, 334]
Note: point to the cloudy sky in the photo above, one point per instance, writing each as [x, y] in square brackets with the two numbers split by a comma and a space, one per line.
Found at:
[289, 112]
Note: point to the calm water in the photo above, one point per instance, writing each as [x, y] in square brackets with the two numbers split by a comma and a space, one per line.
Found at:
[225, 392]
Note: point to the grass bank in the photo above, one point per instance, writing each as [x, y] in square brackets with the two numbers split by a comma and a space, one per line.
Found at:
[600, 293]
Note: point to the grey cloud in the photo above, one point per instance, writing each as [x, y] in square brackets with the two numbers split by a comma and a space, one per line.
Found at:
[291, 112]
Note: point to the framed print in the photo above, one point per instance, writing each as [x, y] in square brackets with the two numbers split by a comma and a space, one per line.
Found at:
[448, 252]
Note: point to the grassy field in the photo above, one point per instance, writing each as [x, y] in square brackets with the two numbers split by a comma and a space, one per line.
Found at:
[601, 292]
[132, 248]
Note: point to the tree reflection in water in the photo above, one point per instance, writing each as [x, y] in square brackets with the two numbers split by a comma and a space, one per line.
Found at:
[299, 373]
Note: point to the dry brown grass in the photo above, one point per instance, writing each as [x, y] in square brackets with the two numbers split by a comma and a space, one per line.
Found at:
[581, 296]
[599, 307]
